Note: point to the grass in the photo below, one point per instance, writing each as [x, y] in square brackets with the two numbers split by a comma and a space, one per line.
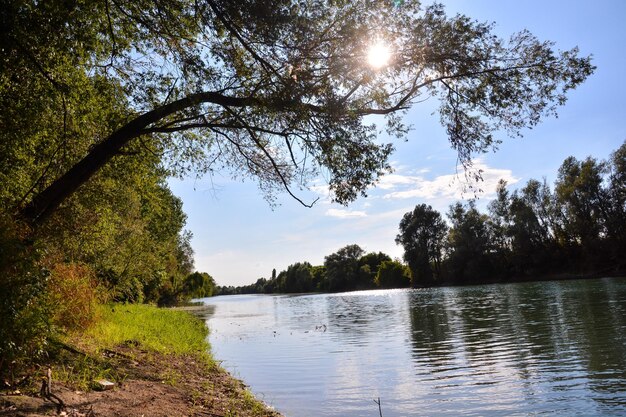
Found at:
[80, 373]
[160, 330]
[151, 329]
[129, 343]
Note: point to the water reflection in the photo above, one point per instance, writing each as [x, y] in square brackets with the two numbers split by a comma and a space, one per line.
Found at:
[543, 345]
[521, 349]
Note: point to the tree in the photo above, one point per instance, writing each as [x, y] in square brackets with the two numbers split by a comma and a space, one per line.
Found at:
[538, 196]
[528, 238]
[342, 268]
[198, 285]
[319, 278]
[273, 90]
[616, 223]
[522, 225]
[392, 274]
[470, 244]
[422, 234]
[368, 269]
[582, 204]
[500, 216]
[531, 228]
[297, 278]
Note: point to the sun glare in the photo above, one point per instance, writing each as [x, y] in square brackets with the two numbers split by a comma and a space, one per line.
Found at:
[378, 55]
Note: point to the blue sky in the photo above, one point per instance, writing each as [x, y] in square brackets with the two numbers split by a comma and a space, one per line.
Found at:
[238, 238]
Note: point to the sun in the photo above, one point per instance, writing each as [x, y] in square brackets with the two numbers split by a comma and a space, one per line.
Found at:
[378, 55]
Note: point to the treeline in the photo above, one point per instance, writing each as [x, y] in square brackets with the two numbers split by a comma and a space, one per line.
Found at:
[348, 269]
[577, 227]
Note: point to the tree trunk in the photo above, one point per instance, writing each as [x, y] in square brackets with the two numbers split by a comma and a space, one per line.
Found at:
[46, 202]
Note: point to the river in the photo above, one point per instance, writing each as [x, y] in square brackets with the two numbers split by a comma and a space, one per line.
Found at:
[542, 348]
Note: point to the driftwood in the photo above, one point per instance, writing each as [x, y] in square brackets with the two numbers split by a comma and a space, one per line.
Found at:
[46, 391]
[71, 349]
[112, 353]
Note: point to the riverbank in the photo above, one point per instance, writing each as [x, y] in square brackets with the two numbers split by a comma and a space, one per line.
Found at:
[158, 361]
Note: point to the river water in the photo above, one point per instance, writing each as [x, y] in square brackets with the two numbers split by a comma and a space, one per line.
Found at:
[544, 348]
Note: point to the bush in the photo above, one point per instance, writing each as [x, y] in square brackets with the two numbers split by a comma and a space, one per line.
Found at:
[73, 292]
[25, 326]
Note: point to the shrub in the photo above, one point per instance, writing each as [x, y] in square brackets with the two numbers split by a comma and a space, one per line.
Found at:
[73, 293]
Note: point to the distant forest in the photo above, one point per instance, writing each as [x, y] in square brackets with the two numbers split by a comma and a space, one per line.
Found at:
[575, 228]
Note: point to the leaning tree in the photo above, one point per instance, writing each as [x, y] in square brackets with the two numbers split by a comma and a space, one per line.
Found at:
[279, 91]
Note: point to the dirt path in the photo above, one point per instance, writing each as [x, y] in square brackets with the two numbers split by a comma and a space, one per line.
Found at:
[154, 385]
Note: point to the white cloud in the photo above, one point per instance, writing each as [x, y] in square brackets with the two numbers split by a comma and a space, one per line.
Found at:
[344, 214]
[392, 181]
[450, 186]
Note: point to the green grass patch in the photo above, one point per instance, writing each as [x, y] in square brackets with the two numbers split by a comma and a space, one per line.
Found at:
[161, 330]
[81, 372]
[145, 327]
[140, 342]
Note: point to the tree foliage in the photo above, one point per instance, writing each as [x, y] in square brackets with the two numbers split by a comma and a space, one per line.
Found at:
[470, 242]
[368, 269]
[277, 91]
[393, 274]
[422, 234]
[581, 201]
[616, 193]
[342, 268]
[199, 285]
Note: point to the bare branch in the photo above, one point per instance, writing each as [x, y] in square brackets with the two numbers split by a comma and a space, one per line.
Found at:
[114, 43]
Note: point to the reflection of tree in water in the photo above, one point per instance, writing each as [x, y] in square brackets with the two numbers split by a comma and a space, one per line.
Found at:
[297, 312]
[430, 328]
[496, 326]
[203, 312]
[573, 326]
[554, 333]
[601, 331]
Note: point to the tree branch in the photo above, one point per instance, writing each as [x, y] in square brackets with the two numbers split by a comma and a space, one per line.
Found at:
[271, 159]
[243, 42]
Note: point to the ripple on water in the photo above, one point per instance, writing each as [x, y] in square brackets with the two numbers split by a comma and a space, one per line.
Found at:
[522, 349]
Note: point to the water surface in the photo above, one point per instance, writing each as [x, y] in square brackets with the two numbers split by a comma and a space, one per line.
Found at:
[547, 348]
